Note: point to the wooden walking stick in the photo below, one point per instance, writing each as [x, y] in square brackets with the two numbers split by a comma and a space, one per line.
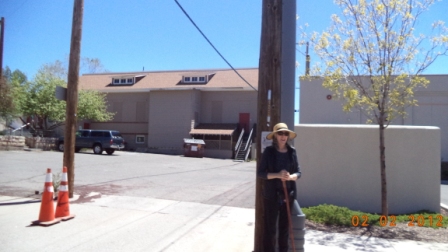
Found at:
[291, 235]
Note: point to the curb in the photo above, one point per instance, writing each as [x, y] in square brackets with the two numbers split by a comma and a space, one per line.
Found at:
[32, 149]
[444, 206]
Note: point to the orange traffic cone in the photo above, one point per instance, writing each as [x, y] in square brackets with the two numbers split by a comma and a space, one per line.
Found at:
[46, 215]
[62, 208]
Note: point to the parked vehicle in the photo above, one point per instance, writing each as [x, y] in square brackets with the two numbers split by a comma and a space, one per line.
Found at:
[98, 140]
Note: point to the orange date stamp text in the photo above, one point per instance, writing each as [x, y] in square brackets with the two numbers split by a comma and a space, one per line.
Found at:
[390, 221]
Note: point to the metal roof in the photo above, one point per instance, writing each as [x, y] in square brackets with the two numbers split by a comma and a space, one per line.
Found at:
[194, 141]
[224, 132]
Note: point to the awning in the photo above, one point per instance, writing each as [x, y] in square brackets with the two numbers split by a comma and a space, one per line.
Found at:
[194, 141]
[223, 132]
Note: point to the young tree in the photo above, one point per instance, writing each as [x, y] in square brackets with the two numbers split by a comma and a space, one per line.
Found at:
[373, 60]
[57, 69]
[6, 101]
[92, 65]
[10, 99]
[88, 65]
[92, 105]
[36, 99]
[41, 103]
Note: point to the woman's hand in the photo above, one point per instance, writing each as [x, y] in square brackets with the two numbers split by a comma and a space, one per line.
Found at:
[284, 175]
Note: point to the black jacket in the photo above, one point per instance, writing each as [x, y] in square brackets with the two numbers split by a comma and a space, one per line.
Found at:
[268, 162]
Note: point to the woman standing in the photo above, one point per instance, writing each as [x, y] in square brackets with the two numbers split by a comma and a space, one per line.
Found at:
[279, 163]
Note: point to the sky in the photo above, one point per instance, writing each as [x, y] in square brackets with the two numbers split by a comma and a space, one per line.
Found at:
[155, 35]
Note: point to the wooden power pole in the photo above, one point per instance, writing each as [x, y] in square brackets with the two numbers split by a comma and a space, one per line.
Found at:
[72, 93]
[276, 84]
[2, 35]
[269, 90]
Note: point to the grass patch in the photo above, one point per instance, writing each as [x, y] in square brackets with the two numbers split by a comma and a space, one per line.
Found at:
[342, 216]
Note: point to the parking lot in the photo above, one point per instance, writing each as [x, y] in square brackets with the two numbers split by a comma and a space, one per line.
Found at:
[148, 202]
[202, 180]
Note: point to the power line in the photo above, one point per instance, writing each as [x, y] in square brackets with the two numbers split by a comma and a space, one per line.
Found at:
[191, 20]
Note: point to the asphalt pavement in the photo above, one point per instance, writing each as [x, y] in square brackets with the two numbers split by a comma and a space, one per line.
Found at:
[127, 210]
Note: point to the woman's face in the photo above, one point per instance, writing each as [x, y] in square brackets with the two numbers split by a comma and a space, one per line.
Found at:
[282, 137]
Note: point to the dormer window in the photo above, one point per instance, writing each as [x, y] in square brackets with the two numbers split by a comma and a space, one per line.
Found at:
[196, 78]
[126, 80]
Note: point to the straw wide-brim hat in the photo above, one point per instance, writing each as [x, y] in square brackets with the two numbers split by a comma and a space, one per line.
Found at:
[281, 127]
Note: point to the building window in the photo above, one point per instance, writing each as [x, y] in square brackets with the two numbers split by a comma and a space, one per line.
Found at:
[139, 139]
[126, 80]
[194, 79]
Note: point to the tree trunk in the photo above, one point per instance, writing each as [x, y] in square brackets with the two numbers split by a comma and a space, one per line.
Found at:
[384, 206]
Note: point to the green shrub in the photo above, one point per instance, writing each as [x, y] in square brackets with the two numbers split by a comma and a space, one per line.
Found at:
[342, 216]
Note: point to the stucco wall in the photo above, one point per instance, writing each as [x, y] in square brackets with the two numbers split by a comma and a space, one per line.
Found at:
[233, 103]
[170, 116]
[432, 109]
[340, 165]
[131, 117]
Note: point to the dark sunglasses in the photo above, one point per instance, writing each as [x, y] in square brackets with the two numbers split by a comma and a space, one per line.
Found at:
[283, 133]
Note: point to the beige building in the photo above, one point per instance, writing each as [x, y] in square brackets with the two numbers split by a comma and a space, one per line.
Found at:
[156, 110]
[317, 106]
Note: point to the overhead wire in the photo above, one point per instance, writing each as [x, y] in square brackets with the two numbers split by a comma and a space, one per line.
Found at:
[191, 20]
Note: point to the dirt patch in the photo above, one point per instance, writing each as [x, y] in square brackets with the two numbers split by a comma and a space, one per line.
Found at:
[88, 193]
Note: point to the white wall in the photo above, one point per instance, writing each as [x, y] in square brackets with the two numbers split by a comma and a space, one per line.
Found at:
[340, 165]
[432, 109]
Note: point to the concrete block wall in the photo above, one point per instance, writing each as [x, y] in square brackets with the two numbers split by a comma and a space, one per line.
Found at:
[340, 165]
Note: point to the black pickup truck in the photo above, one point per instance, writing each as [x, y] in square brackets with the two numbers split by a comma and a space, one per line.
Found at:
[98, 140]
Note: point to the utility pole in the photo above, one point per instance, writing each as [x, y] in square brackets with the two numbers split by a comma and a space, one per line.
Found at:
[2, 35]
[269, 90]
[276, 85]
[288, 62]
[72, 93]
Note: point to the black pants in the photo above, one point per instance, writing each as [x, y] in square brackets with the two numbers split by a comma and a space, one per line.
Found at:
[273, 211]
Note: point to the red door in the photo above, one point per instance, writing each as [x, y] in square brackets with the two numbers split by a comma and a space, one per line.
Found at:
[244, 122]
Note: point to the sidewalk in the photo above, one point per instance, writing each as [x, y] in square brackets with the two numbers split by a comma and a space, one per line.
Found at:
[123, 223]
